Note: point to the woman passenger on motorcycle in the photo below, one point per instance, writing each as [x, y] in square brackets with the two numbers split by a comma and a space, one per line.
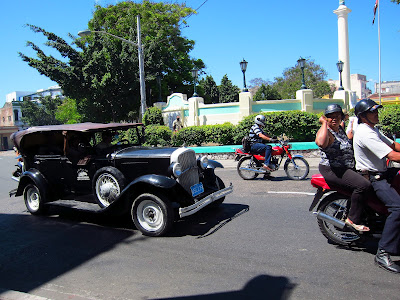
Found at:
[337, 164]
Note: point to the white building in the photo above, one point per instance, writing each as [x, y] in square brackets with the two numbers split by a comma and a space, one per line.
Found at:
[358, 84]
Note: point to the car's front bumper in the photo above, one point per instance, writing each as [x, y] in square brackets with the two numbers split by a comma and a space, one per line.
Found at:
[190, 210]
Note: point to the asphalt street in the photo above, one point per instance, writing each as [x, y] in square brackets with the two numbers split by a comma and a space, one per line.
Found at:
[262, 243]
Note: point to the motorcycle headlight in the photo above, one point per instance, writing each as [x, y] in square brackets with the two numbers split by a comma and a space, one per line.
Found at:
[177, 169]
[203, 162]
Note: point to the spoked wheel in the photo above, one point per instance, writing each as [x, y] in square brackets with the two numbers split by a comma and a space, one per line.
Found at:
[108, 183]
[335, 205]
[152, 214]
[245, 166]
[297, 168]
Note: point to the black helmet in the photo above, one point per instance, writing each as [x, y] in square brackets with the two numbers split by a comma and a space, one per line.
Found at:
[365, 105]
[332, 108]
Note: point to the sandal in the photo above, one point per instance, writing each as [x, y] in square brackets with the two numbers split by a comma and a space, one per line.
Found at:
[361, 228]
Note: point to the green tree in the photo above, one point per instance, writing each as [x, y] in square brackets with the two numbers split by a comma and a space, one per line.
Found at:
[396, 1]
[101, 72]
[41, 111]
[291, 81]
[266, 93]
[67, 112]
[153, 116]
[209, 90]
[227, 91]
[255, 84]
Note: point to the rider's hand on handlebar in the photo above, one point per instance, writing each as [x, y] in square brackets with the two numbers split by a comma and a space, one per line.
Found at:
[273, 140]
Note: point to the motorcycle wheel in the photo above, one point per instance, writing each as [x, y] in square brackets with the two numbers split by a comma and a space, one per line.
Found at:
[298, 171]
[335, 205]
[248, 163]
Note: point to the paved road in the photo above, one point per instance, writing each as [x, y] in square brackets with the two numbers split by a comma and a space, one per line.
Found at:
[262, 243]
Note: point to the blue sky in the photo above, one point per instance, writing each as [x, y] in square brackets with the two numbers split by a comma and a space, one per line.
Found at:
[270, 35]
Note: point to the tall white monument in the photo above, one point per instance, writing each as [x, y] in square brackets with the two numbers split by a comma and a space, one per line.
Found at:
[343, 42]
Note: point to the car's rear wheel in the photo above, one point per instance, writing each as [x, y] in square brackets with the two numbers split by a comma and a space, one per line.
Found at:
[34, 200]
[108, 182]
[152, 214]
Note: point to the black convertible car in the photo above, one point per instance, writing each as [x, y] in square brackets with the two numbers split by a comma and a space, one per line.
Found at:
[107, 164]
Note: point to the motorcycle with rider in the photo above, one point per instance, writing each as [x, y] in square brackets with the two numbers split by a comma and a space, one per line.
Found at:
[256, 157]
[377, 204]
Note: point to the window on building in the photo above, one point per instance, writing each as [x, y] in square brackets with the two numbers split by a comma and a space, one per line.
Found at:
[9, 118]
[16, 114]
[4, 119]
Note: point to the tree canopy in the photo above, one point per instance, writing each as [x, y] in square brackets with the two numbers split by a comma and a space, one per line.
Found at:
[227, 91]
[314, 76]
[266, 92]
[42, 111]
[101, 72]
[208, 89]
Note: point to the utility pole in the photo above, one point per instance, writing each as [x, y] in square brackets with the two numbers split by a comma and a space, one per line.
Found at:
[141, 71]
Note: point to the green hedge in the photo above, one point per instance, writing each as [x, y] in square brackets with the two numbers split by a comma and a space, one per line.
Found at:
[299, 126]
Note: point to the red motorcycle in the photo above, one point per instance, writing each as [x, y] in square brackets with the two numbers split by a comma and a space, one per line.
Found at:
[250, 165]
[332, 206]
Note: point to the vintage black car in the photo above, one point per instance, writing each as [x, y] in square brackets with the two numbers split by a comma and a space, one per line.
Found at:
[70, 164]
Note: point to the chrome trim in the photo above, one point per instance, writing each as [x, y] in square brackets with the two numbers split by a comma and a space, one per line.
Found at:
[190, 210]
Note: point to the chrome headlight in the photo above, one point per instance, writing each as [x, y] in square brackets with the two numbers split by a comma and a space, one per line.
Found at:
[203, 162]
[177, 169]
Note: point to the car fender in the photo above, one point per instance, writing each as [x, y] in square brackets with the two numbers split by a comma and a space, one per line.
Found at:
[158, 181]
[214, 164]
[32, 175]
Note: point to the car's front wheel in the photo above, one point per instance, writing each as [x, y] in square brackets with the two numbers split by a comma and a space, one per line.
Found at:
[34, 200]
[152, 214]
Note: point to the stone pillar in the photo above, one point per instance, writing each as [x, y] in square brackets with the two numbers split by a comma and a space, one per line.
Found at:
[306, 96]
[245, 104]
[343, 43]
[345, 96]
[193, 119]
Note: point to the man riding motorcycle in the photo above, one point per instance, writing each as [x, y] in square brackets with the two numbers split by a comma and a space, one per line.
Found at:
[371, 149]
[257, 135]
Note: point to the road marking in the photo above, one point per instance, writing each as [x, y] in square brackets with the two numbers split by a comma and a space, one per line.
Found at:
[301, 193]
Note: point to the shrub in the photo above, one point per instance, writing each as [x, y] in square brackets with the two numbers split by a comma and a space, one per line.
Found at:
[153, 116]
[192, 135]
[221, 134]
[297, 125]
[157, 135]
[389, 119]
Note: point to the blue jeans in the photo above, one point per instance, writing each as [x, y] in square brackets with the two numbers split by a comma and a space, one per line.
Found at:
[259, 148]
[390, 240]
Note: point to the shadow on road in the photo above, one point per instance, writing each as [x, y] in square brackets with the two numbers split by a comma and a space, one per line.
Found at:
[35, 250]
[208, 221]
[260, 287]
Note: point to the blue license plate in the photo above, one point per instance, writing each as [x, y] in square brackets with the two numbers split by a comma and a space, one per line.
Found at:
[197, 189]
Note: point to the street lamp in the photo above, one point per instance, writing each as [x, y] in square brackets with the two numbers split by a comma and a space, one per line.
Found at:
[195, 73]
[302, 63]
[87, 32]
[339, 65]
[243, 67]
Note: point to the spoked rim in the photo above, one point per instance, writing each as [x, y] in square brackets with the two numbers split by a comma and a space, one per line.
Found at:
[338, 209]
[247, 163]
[297, 170]
[107, 189]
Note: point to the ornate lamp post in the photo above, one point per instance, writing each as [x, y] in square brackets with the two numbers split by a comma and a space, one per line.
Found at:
[195, 73]
[243, 67]
[339, 65]
[302, 63]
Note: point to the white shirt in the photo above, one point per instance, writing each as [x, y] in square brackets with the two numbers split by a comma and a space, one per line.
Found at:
[353, 123]
[370, 148]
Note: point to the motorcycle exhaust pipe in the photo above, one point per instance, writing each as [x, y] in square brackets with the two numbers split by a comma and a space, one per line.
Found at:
[324, 217]
[253, 170]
